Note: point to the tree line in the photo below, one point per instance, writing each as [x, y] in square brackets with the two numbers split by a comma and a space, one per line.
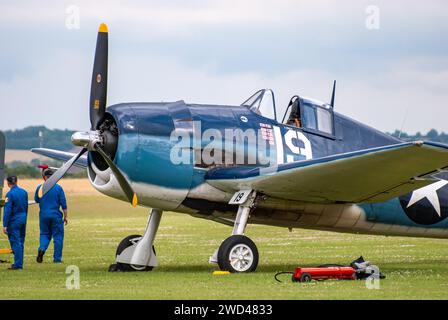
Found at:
[37, 136]
[431, 135]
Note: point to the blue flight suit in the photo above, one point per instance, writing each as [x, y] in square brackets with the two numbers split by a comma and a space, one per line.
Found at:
[14, 218]
[51, 220]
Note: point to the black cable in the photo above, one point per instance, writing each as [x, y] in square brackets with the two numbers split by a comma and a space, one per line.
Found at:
[282, 272]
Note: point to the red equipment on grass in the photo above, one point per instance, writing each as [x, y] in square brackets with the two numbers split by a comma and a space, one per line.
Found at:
[323, 273]
[359, 269]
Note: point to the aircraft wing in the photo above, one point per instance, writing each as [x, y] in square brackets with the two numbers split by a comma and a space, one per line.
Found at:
[367, 176]
[61, 155]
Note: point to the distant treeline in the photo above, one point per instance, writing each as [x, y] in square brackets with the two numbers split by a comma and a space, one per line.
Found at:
[27, 138]
[34, 137]
[31, 170]
[431, 135]
[26, 170]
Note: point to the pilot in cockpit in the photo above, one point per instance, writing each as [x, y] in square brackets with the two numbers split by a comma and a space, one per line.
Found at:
[294, 117]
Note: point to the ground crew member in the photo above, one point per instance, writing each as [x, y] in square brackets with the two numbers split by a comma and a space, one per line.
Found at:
[14, 220]
[51, 219]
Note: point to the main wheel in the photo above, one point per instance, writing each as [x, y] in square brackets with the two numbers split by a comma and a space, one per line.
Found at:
[238, 254]
[126, 243]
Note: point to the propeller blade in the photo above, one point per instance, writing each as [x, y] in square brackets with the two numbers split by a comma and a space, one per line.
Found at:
[49, 184]
[124, 184]
[98, 89]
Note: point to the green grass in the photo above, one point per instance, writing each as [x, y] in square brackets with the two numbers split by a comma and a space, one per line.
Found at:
[415, 268]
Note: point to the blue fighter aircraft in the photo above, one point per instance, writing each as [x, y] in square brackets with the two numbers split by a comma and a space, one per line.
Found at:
[311, 168]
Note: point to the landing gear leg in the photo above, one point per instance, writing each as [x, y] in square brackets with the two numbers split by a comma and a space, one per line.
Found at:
[238, 253]
[137, 253]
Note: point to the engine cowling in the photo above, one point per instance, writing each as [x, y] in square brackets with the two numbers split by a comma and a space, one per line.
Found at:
[137, 138]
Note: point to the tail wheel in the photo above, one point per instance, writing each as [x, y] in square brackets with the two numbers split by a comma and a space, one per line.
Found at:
[238, 254]
[126, 243]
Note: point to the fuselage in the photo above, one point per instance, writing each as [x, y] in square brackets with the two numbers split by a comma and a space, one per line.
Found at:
[169, 171]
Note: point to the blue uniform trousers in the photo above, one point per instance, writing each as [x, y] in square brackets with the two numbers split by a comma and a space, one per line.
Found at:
[16, 236]
[52, 226]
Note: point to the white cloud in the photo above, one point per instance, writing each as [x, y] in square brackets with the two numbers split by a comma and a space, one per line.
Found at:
[54, 90]
[55, 94]
[158, 17]
[58, 92]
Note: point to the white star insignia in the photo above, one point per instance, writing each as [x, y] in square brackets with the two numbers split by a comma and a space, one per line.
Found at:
[429, 192]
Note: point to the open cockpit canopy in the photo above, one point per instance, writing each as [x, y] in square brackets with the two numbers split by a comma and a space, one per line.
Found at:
[262, 102]
[308, 114]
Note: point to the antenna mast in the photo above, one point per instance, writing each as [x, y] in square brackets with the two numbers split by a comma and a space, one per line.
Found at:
[333, 94]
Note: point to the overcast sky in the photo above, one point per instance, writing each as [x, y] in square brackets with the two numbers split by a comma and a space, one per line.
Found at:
[222, 51]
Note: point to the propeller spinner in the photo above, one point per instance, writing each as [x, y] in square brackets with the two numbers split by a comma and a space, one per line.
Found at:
[95, 139]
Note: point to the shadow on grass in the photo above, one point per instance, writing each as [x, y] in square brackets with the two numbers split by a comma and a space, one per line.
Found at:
[392, 266]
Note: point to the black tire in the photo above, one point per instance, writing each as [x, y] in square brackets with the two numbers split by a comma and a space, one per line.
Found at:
[305, 277]
[226, 249]
[126, 243]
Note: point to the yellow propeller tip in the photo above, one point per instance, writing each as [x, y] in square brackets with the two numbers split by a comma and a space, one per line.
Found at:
[103, 28]
[134, 200]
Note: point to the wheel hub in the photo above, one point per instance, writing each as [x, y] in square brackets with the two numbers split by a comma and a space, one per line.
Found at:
[241, 257]
[87, 139]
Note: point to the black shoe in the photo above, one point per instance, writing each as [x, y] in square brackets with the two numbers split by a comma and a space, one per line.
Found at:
[14, 268]
[40, 256]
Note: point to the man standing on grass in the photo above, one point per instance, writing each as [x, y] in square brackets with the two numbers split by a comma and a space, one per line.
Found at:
[51, 219]
[14, 220]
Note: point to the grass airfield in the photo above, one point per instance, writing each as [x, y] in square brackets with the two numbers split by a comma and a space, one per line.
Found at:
[415, 268]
